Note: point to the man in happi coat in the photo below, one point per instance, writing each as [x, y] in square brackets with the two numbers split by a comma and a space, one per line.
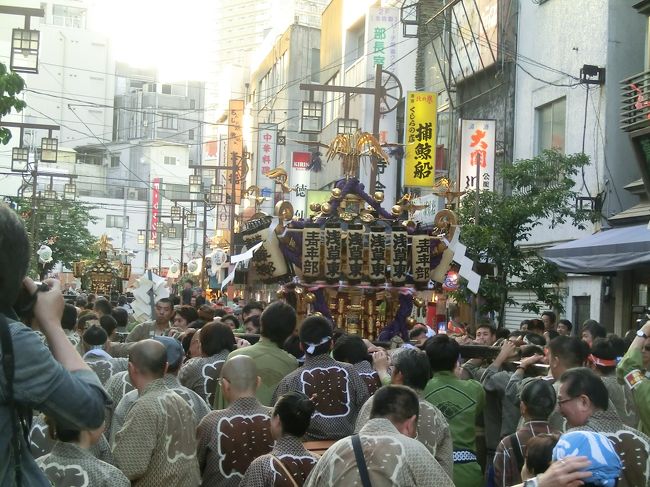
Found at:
[202, 373]
[230, 439]
[157, 444]
[391, 454]
[72, 464]
[353, 350]
[336, 388]
[152, 328]
[411, 368]
[584, 401]
[461, 401]
[94, 350]
[175, 354]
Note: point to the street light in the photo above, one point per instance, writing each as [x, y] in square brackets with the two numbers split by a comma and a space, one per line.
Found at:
[196, 185]
[347, 126]
[141, 236]
[175, 212]
[171, 231]
[311, 117]
[70, 191]
[24, 51]
[20, 159]
[49, 149]
[49, 195]
[190, 220]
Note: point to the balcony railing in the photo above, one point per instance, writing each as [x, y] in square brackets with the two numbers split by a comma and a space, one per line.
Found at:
[635, 102]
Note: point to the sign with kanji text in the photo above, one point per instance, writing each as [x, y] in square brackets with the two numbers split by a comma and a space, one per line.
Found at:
[420, 159]
[266, 161]
[477, 149]
[223, 217]
[236, 147]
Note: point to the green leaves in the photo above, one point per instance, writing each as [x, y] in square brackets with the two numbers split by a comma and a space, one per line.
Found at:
[11, 84]
[541, 191]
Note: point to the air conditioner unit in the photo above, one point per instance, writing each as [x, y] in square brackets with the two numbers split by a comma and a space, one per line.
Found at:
[132, 194]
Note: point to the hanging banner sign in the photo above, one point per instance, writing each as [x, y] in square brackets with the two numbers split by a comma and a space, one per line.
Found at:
[333, 246]
[311, 251]
[223, 217]
[155, 208]
[236, 147]
[354, 247]
[421, 259]
[266, 161]
[477, 150]
[377, 267]
[399, 255]
[420, 158]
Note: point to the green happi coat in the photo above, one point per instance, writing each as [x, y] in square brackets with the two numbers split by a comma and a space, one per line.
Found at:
[461, 401]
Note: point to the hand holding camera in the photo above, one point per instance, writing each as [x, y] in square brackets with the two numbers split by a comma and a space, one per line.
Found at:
[48, 302]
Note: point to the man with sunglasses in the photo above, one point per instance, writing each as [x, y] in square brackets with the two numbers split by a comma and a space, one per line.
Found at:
[631, 369]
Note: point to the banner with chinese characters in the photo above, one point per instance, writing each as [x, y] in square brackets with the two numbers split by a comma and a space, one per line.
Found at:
[236, 147]
[311, 252]
[420, 158]
[155, 209]
[333, 245]
[223, 217]
[477, 149]
[299, 179]
[377, 259]
[267, 137]
[421, 259]
[399, 255]
[354, 242]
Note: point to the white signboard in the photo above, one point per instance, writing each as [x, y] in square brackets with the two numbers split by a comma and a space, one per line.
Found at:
[477, 148]
[223, 217]
[426, 215]
[267, 160]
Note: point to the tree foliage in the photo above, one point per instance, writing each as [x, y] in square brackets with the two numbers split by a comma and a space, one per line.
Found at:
[68, 237]
[538, 191]
[11, 84]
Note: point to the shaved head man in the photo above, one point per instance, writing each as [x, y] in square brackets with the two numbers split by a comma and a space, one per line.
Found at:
[230, 439]
[239, 378]
[147, 362]
[159, 427]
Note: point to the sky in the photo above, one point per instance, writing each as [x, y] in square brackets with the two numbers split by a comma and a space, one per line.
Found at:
[176, 37]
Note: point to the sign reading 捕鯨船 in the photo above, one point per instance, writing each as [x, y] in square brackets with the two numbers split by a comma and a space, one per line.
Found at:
[420, 159]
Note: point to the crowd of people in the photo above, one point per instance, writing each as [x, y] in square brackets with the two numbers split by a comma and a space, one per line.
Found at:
[220, 394]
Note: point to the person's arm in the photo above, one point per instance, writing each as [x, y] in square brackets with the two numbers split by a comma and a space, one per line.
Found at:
[630, 371]
[47, 313]
[136, 441]
[569, 472]
[469, 368]
[75, 396]
[445, 448]
[203, 435]
[380, 364]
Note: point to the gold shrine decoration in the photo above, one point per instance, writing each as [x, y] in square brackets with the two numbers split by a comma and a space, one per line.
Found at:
[352, 147]
[399, 255]
[333, 247]
[377, 255]
[421, 259]
[354, 247]
[311, 252]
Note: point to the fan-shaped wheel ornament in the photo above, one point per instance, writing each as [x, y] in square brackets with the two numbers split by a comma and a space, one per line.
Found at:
[392, 94]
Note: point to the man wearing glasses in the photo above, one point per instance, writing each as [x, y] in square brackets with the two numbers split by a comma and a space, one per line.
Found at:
[632, 369]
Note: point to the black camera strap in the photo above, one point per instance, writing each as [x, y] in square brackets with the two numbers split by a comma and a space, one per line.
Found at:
[8, 366]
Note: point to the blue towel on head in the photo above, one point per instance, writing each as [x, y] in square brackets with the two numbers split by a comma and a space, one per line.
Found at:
[605, 465]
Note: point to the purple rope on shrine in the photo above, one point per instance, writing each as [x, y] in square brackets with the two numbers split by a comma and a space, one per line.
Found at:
[320, 305]
[398, 325]
[293, 255]
[435, 259]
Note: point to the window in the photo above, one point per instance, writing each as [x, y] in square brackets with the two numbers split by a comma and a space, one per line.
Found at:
[169, 161]
[166, 89]
[69, 16]
[117, 221]
[192, 104]
[190, 134]
[581, 309]
[115, 161]
[168, 121]
[551, 125]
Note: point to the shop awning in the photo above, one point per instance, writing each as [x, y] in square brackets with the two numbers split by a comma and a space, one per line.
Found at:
[612, 250]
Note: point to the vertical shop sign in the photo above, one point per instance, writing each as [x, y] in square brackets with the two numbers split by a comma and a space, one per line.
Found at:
[420, 159]
[477, 141]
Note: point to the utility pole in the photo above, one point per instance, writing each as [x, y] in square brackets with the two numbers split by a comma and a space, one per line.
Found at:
[379, 92]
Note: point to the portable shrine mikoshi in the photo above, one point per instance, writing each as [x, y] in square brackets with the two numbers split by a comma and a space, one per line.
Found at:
[351, 260]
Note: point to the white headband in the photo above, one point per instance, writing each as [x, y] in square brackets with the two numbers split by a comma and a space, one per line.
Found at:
[311, 347]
